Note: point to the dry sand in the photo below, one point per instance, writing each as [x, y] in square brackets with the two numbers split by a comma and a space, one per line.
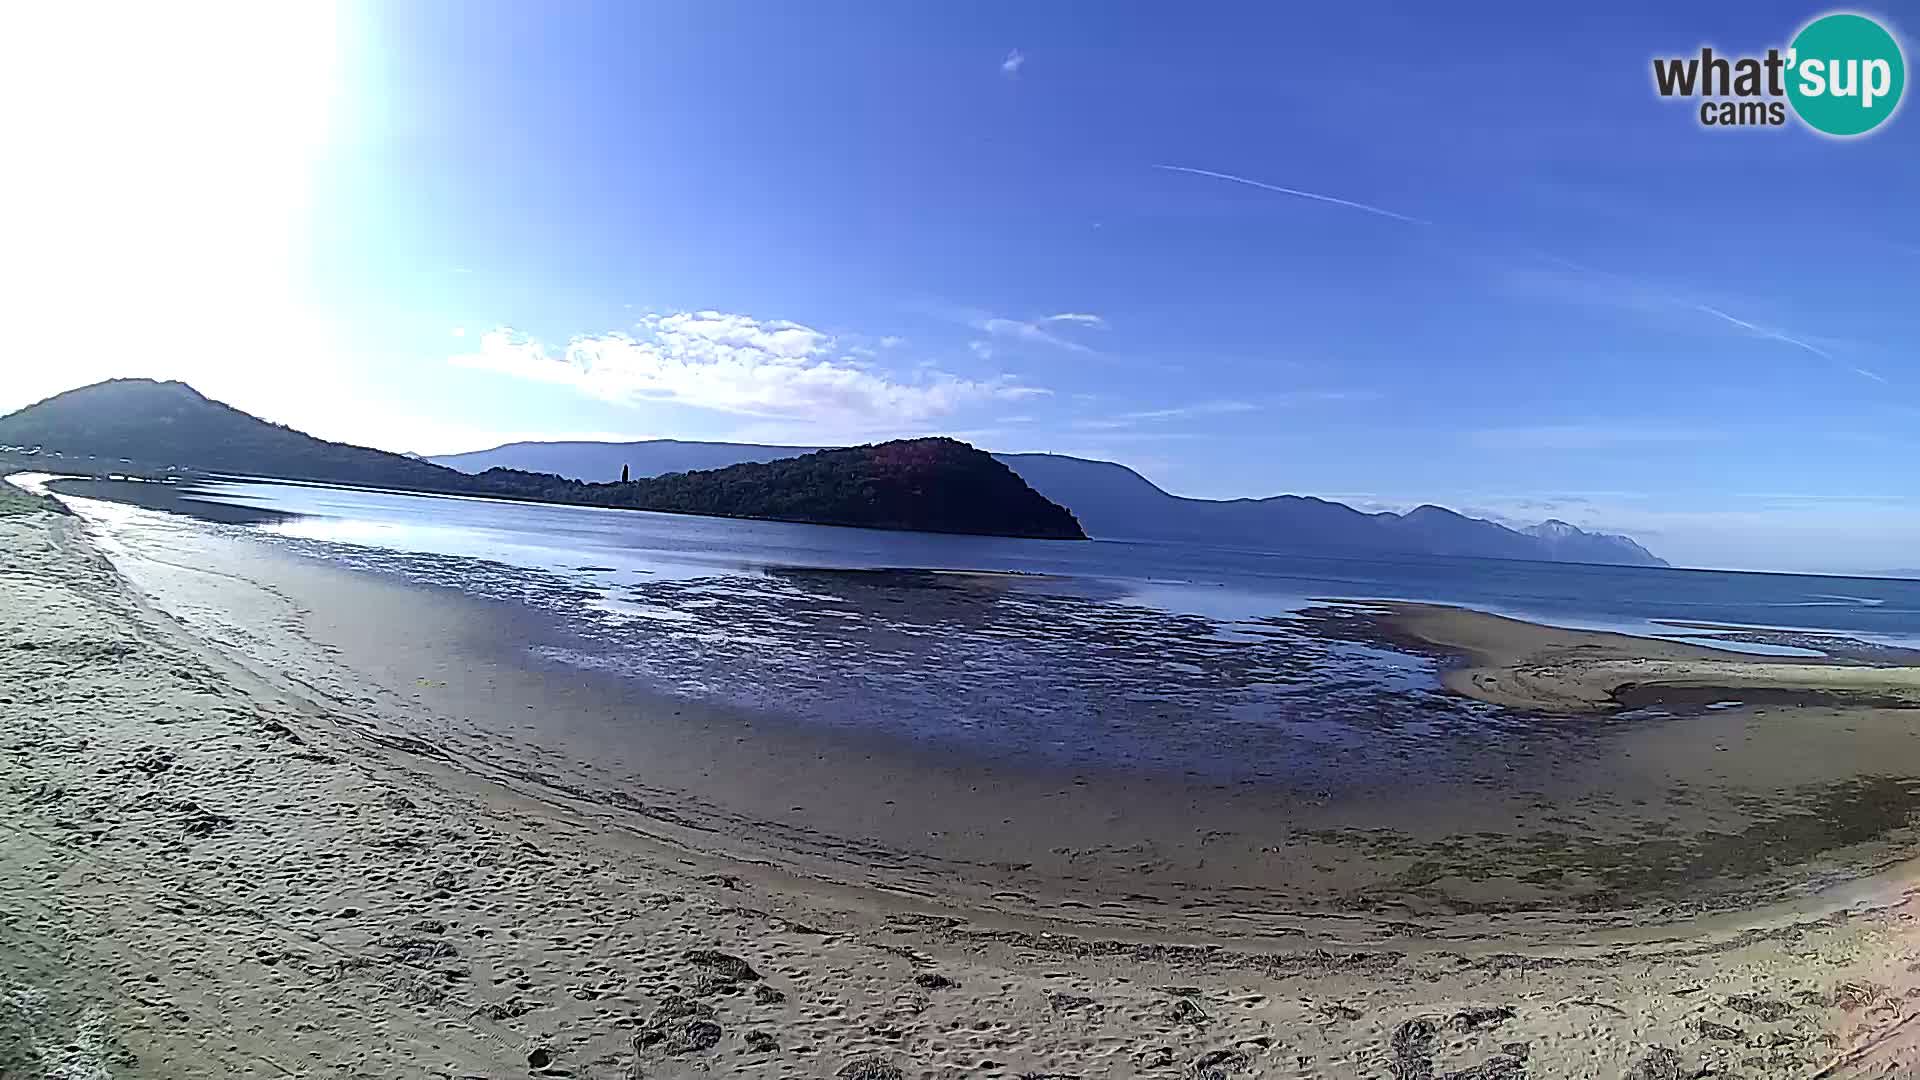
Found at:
[207, 871]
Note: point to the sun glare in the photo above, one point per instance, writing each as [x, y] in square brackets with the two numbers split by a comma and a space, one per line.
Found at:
[166, 184]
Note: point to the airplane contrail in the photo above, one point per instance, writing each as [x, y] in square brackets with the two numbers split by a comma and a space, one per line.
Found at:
[1314, 195]
[1752, 328]
[1775, 335]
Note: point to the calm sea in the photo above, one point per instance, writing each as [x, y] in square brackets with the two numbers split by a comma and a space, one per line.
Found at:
[1219, 582]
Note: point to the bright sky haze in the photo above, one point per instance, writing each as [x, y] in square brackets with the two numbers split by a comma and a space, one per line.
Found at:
[1388, 256]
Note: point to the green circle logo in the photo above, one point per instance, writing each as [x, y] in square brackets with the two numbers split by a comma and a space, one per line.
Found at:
[1845, 74]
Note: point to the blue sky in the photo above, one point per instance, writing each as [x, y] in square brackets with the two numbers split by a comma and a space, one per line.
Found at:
[435, 227]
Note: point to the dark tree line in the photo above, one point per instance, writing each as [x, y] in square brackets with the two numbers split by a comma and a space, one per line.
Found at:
[930, 485]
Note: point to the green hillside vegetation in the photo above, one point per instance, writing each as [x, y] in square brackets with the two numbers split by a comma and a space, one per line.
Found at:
[162, 424]
[932, 485]
[927, 485]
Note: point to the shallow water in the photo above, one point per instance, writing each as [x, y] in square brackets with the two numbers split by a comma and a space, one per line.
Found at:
[1193, 661]
[1098, 730]
[1220, 583]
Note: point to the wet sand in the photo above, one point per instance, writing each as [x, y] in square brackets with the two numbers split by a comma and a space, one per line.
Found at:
[1448, 811]
[281, 823]
[1521, 665]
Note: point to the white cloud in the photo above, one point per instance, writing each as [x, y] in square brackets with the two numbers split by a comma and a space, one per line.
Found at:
[1078, 317]
[892, 342]
[981, 349]
[779, 339]
[1010, 67]
[1026, 331]
[734, 364]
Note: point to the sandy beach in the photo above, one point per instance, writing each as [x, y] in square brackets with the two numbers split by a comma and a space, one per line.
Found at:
[1522, 665]
[270, 817]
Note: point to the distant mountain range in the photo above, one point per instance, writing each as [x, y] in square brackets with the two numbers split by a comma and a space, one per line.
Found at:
[602, 460]
[937, 485]
[929, 485]
[1112, 501]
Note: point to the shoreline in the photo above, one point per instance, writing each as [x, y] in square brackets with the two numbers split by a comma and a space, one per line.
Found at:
[188, 480]
[282, 808]
[1518, 664]
[1570, 829]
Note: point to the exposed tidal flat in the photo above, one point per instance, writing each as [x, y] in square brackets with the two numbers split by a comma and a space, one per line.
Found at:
[960, 824]
[1046, 738]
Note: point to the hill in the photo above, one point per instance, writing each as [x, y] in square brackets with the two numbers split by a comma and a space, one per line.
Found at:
[925, 485]
[934, 485]
[1112, 501]
[1570, 544]
[163, 424]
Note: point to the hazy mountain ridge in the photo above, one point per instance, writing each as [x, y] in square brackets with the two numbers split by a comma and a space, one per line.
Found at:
[933, 485]
[590, 460]
[1569, 543]
[936, 484]
[1112, 501]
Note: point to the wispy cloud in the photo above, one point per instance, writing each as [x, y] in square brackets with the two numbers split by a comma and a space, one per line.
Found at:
[1054, 331]
[1297, 193]
[1627, 291]
[1310, 397]
[1078, 317]
[735, 364]
[1585, 437]
[1010, 67]
[1775, 334]
[1128, 435]
[1026, 331]
[1575, 282]
[1181, 412]
[1217, 407]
